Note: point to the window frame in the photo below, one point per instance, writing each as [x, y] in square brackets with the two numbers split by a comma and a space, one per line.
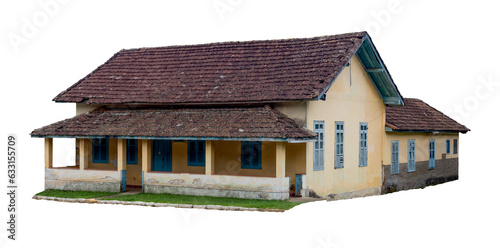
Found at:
[455, 146]
[199, 162]
[98, 147]
[363, 144]
[411, 155]
[339, 145]
[448, 146]
[135, 148]
[394, 157]
[244, 146]
[319, 146]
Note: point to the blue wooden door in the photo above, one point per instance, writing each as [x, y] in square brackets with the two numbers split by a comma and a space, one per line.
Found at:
[162, 155]
[298, 184]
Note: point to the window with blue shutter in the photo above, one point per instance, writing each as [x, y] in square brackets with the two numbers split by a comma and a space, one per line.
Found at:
[251, 155]
[363, 144]
[319, 146]
[432, 154]
[132, 150]
[394, 157]
[339, 145]
[448, 144]
[411, 155]
[100, 150]
[196, 153]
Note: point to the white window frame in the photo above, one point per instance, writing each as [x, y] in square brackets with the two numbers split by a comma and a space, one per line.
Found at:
[411, 155]
[363, 144]
[319, 146]
[339, 144]
[394, 156]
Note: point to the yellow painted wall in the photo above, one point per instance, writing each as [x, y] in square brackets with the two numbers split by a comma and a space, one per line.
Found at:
[295, 160]
[179, 160]
[83, 108]
[294, 110]
[352, 99]
[134, 174]
[228, 159]
[421, 145]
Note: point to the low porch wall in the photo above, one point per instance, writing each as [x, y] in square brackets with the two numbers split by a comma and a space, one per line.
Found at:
[217, 185]
[446, 169]
[86, 180]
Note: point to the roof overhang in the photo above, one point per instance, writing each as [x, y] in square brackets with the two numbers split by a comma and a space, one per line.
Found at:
[260, 123]
[378, 73]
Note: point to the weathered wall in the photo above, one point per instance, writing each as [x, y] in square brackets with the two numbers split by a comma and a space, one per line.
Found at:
[446, 165]
[217, 185]
[446, 170]
[352, 98]
[87, 180]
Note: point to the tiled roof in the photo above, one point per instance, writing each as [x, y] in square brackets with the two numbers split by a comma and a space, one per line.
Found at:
[417, 115]
[252, 71]
[226, 123]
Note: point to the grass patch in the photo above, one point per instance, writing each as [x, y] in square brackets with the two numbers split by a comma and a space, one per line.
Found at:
[75, 194]
[207, 200]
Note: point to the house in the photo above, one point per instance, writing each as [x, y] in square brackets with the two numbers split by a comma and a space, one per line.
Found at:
[259, 119]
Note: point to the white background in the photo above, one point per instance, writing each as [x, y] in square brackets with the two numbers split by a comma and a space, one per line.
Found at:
[442, 53]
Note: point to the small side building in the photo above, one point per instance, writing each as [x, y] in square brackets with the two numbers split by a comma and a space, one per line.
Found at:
[420, 146]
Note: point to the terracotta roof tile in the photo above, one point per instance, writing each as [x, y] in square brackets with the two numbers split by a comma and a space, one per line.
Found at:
[252, 71]
[249, 122]
[417, 115]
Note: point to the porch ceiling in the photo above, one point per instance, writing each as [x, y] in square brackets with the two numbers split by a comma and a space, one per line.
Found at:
[250, 123]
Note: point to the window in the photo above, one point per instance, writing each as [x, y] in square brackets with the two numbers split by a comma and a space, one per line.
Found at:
[196, 153]
[394, 157]
[447, 146]
[319, 146]
[132, 151]
[339, 144]
[251, 153]
[432, 154]
[455, 146]
[363, 151]
[411, 155]
[100, 148]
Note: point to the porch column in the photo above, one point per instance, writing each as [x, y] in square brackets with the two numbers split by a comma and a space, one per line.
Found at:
[280, 159]
[48, 152]
[121, 159]
[84, 160]
[209, 157]
[146, 158]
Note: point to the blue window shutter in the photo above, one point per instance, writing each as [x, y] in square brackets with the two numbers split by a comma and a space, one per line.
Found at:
[251, 155]
[132, 151]
[432, 154]
[363, 144]
[394, 157]
[100, 151]
[196, 153]
[411, 155]
[447, 146]
[339, 145]
[319, 146]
